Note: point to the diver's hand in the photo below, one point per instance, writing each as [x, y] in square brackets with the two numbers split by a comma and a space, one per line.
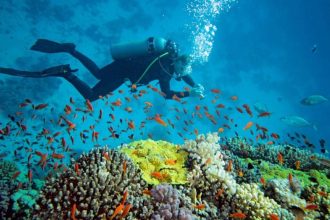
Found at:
[197, 91]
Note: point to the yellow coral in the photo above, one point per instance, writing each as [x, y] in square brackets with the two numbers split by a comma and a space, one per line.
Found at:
[159, 161]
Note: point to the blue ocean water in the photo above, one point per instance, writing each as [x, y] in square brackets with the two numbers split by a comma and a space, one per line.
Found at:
[270, 53]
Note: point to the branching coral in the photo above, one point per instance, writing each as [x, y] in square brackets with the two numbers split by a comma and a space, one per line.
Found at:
[94, 188]
[206, 166]
[250, 200]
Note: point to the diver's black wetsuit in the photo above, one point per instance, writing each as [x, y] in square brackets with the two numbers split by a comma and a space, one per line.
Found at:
[114, 75]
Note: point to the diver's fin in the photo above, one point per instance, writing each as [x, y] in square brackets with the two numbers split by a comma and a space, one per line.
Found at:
[48, 46]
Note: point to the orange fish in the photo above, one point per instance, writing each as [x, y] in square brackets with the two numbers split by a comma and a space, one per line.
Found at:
[170, 162]
[125, 195]
[117, 103]
[297, 164]
[57, 156]
[159, 120]
[200, 206]
[158, 175]
[220, 106]
[238, 215]
[229, 166]
[73, 211]
[106, 156]
[119, 209]
[219, 193]
[220, 130]
[280, 158]
[40, 106]
[234, 98]
[15, 175]
[290, 178]
[240, 173]
[148, 104]
[248, 126]
[69, 123]
[176, 98]
[311, 207]
[131, 125]
[323, 194]
[264, 114]
[133, 86]
[124, 166]
[125, 211]
[263, 181]
[275, 136]
[95, 136]
[76, 169]
[128, 109]
[274, 217]
[216, 91]
[89, 106]
[67, 109]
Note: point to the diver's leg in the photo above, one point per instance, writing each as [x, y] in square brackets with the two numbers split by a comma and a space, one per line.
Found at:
[60, 70]
[14, 72]
[48, 46]
[102, 88]
[105, 86]
[82, 87]
[88, 63]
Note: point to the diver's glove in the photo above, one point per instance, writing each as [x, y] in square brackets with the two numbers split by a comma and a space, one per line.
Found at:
[197, 91]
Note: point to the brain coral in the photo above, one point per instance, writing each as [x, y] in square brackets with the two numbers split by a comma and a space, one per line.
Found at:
[93, 188]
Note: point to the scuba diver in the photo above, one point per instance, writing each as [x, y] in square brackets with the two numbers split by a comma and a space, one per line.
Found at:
[139, 62]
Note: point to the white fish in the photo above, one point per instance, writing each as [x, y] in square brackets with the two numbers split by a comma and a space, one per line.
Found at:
[297, 121]
[313, 100]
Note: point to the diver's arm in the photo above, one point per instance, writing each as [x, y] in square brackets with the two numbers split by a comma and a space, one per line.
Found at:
[165, 88]
[189, 80]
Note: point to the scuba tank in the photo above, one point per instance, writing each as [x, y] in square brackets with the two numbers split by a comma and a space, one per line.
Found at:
[152, 45]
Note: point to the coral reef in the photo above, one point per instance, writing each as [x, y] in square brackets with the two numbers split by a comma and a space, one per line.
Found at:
[281, 191]
[7, 187]
[270, 171]
[291, 154]
[159, 161]
[250, 200]
[207, 166]
[94, 188]
[167, 203]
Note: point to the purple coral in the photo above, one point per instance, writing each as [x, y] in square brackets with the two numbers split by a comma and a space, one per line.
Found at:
[167, 200]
